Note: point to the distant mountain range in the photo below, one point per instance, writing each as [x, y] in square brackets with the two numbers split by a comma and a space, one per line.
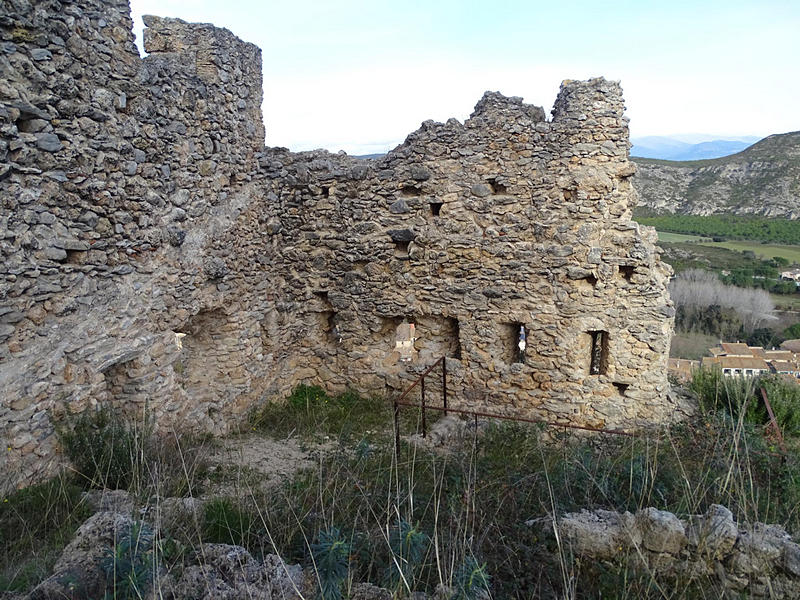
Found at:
[689, 147]
[763, 179]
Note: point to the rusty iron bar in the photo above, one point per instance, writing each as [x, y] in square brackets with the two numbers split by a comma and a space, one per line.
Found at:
[397, 430]
[422, 396]
[520, 419]
[444, 384]
[773, 420]
[420, 378]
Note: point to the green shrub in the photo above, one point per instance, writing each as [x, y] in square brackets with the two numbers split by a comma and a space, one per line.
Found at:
[128, 566]
[106, 450]
[226, 522]
[784, 397]
[109, 451]
[471, 580]
[409, 546]
[792, 332]
[331, 560]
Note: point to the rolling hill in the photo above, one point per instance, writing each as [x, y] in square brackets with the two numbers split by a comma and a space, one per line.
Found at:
[763, 179]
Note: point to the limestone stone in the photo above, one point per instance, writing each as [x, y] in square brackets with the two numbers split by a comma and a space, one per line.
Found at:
[662, 531]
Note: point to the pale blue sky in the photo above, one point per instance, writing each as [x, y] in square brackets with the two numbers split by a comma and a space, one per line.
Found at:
[360, 75]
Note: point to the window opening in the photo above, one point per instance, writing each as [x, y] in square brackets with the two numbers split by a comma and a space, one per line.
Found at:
[326, 191]
[411, 190]
[626, 271]
[515, 341]
[621, 387]
[436, 208]
[497, 187]
[405, 337]
[599, 356]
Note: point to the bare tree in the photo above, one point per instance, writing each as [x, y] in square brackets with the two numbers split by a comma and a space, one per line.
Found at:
[698, 289]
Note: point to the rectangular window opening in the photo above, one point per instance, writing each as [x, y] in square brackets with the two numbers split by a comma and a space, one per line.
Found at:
[436, 208]
[410, 190]
[401, 248]
[626, 271]
[326, 191]
[453, 332]
[515, 342]
[599, 356]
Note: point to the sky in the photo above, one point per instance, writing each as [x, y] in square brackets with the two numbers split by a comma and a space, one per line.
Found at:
[360, 75]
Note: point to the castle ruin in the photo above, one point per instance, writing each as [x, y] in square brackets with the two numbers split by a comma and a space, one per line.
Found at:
[157, 255]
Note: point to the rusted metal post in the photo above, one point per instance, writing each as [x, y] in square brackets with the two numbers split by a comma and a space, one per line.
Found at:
[773, 421]
[444, 385]
[422, 385]
[397, 429]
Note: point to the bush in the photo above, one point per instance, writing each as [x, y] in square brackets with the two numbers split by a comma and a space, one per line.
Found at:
[109, 451]
[106, 450]
[331, 560]
[784, 397]
[128, 566]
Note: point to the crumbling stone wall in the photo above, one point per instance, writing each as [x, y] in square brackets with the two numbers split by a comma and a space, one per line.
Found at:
[156, 255]
[470, 231]
[745, 559]
[114, 172]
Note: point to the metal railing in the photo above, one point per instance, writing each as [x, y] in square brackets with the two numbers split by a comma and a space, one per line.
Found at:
[424, 407]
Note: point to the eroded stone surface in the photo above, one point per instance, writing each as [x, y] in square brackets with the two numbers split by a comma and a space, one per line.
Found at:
[753, 559]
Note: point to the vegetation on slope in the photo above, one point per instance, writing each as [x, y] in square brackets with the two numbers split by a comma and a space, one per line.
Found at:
[781, 231]
[763, 179]
[465, 516]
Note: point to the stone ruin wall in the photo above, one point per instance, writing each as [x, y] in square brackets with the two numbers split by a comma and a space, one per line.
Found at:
[156, 254]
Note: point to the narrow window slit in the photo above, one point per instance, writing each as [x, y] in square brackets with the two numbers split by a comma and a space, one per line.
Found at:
[326, 191]
[436, 208]
[599, 353]
[515, 342]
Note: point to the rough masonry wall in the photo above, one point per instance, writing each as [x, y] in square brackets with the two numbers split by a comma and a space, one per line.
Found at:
[469, 231]
[156, 256]
[114, 171]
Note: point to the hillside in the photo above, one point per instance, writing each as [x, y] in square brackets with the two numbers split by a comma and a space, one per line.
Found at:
[763, 179]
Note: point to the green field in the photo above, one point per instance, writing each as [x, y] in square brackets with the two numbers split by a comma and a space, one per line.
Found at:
[666, 236]
[764, 251]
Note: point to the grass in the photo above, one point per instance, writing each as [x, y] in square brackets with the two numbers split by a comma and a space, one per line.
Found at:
[35, 524]
[312, 414]
[787, 302]
[691, 345]
[666, 236]
[763, 251]
[420, 518]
